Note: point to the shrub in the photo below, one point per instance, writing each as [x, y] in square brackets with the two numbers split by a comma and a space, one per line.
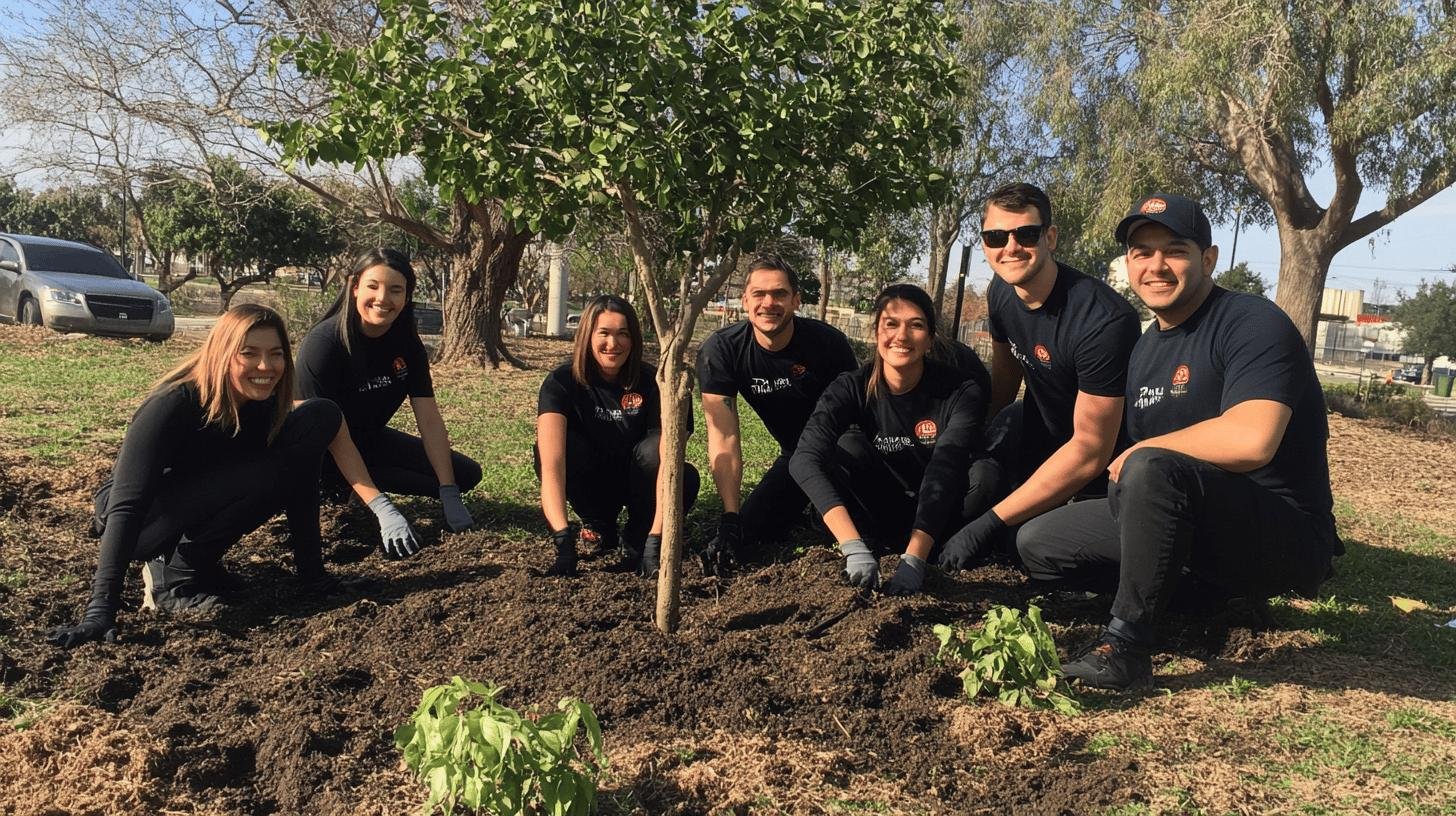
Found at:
[1010, 655]
[474, 752]
[1390, 402]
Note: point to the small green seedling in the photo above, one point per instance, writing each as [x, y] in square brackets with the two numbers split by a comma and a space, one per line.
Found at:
[477, 754]
[1011, 656]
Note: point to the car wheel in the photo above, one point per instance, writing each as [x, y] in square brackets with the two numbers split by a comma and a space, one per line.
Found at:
[30, 312]
[157, 338]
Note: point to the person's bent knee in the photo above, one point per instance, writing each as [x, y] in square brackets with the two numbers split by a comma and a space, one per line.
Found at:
[468, 472]
[1034, 555]
[312, 424]
[645, 454]
[1151, 469]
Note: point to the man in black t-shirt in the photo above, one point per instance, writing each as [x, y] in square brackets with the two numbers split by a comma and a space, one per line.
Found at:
[780, 363]
[1067, 336]
[1226, 482]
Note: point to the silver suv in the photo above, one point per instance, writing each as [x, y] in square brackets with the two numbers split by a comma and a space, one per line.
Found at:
[73, 287]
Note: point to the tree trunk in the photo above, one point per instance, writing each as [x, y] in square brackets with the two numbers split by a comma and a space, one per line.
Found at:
[675, 384]
[1304, 261]
[484, 265]
[944, 229]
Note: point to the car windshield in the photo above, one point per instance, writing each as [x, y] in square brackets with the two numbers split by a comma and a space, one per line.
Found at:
[49, 258]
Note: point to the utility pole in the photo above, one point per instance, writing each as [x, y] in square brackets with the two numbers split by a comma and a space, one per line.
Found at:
[556, 289]
[955, 323]
[1238, 222]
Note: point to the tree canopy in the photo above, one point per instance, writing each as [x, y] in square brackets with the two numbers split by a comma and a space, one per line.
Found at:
[1238, 102]
[1240, 278]
[1429, 320]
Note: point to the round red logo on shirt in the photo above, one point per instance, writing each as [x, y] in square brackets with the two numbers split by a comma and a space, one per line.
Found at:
[400, 369]
[631, 401]
[926, 431]
[1180, 375]
[797, 370]
[1153, 206]
[1042, 354]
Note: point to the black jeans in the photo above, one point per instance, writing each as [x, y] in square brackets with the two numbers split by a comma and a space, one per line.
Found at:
[196, 517]
[398, 464]
[883, 506]
[599, 484]
[1170, 513]
[775, 504]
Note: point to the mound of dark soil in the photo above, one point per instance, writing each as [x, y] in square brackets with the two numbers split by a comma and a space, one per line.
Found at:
[288, 704]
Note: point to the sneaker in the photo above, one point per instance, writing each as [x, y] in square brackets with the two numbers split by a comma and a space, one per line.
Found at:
[158, 597]
[1111, 662]
[601, 538]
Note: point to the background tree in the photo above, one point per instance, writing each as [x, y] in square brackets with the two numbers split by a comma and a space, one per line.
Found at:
[993, 149]
[888, 247]
[1429, 320]
[1239, 102]
[1240, 278]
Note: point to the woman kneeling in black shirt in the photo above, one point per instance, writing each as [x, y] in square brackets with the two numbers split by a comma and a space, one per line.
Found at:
[366, 355]
[211, 454]
[894, 449]
[598, 436]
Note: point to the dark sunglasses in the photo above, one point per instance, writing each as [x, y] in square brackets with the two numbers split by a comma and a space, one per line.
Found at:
[1026, 236]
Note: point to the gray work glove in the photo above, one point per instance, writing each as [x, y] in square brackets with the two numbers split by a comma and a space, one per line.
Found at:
[860, 567]
[651, 557]
[394, 531]
[908, 577]
[456, 516]
[98, 624]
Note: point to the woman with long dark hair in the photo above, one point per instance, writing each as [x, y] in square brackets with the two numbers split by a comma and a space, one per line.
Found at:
[598, 439]
[217, 448]
[892, 456]
[366, 355]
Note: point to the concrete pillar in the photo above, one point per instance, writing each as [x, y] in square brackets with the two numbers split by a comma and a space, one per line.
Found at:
[556, 290]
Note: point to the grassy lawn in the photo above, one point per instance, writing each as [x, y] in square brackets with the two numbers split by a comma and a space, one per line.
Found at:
[1349, 707]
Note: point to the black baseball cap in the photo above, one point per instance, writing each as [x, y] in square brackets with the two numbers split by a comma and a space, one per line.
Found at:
[1183, 216]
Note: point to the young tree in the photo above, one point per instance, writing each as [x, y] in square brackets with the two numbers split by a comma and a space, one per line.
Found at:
[1240, 278]
[709, 127]
[1429, 320]
[1239, 102]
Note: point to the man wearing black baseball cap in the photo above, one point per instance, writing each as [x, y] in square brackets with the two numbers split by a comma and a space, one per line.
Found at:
[1227, 480]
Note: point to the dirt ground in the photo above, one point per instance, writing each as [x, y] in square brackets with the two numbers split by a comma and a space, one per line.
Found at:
[287, 705]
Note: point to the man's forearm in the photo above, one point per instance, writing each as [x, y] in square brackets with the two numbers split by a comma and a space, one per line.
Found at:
[1065, 472]
[727, 468]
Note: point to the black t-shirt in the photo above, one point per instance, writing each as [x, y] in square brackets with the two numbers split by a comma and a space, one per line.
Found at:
[781, 386]
[370, 384]
[1237, 347]
[927, 437]
[167, 435]
[1079, 339]
[613, 418]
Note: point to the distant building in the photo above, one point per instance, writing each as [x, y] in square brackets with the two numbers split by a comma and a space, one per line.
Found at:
[1342, 304]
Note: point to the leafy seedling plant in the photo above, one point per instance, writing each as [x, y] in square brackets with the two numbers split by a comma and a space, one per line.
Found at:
[1011, 656]
[477, 754]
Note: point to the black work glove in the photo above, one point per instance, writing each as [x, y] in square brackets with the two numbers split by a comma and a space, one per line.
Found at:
[651, 557]
[972, 545]
[565, 541]
[908, 577]
[860, 567]
[721, 554]
[98, 623]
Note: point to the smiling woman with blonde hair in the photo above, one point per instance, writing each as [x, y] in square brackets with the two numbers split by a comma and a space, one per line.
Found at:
[217, 448]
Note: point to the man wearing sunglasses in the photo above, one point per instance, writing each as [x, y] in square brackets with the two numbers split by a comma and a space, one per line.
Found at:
[1227, 482]
[1067, 336]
